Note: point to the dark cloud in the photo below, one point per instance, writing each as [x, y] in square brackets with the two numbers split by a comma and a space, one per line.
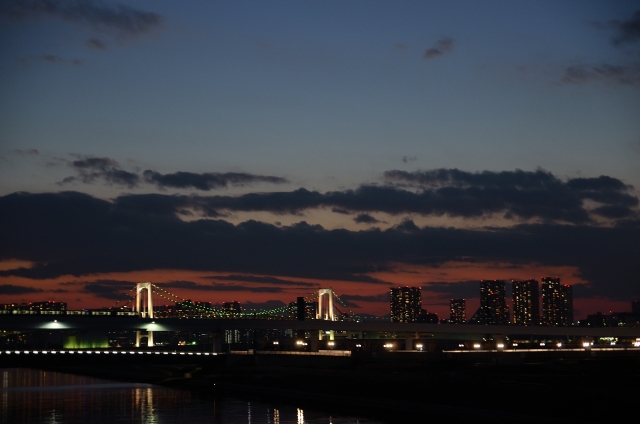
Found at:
[95, 44]
[75, 234]
[92, 169]
[341, 211]
[454, 289]
[628, 31]
[264, 280]
[26, 151]
[10, 289]
[208, 180]
[515, 193]
[111, 289]
[407, 159]
[122, 20]
[48, 58]
[439, 48]
[628, 74]
[365, 218]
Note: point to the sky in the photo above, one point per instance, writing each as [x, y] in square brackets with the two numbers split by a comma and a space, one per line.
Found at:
[259, 151]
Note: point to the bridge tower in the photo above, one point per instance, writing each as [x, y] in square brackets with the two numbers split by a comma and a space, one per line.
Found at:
[144, 314]
[139, 288]
[325, 313]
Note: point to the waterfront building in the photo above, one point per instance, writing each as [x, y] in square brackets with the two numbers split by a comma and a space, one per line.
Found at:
[48, 305]
[493, 308]
[405, 303]
[189, 308]
[557, 303]
[526, 306]
[231, 308]
[458, 311]
[427, 317]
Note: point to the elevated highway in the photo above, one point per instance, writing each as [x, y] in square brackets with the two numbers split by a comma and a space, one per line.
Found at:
[15, 322]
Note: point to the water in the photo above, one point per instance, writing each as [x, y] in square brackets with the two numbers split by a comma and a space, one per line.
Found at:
[34, 396]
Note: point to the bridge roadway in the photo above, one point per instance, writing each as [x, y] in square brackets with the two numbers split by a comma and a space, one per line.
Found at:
[11, 322]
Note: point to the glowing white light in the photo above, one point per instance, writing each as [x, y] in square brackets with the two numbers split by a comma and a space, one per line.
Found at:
[543, 344]
[586, 344]
[330, 343]
[559, 344]
[276, 342]
[476, 345]
[500, 345]
[515, 345]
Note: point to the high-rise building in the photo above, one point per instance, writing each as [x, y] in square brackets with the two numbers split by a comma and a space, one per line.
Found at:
[427, 317]
[458, 311]
[526, 306]
[493, 304]
[232, 308]
[405, 304]
[557, 303]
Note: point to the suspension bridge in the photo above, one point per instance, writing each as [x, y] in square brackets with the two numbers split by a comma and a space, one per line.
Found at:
[140, 299]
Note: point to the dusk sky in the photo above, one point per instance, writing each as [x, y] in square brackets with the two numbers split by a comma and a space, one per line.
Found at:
[258, 151]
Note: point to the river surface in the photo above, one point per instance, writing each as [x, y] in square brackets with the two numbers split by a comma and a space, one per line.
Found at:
[43, 397]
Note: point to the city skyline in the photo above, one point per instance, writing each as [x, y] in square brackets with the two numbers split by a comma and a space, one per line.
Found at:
[259, 152]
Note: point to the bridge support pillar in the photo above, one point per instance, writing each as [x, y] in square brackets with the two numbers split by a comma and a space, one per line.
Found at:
[313, 344]
[216, 339]
[140, 336]
[408, 343]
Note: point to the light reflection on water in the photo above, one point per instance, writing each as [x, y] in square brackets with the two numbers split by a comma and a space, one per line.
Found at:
[34, 396]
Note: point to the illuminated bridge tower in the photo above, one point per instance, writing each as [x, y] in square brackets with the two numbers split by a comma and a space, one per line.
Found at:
[148, 313]
[325, 313]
